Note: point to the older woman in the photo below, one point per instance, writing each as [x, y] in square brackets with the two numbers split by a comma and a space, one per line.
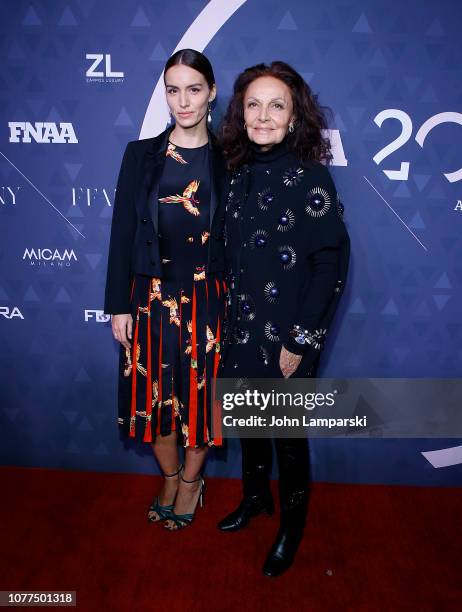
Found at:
[287, 254]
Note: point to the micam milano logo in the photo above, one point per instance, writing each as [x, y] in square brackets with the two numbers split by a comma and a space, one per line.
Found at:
[50, 257]
[106, 75]
[43, 132]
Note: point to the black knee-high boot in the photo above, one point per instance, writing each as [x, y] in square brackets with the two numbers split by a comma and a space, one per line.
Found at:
[294, 486]
[257, 497]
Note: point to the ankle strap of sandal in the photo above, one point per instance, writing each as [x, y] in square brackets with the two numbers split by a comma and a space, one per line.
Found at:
[189, 481]
[176, 473]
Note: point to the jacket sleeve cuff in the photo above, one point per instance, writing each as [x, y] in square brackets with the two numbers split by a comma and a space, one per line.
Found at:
[300, 340]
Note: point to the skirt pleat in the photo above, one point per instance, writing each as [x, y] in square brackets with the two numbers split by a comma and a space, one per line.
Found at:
[165, 377]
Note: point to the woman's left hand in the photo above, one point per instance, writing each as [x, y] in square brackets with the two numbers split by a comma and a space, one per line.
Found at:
[288, 362]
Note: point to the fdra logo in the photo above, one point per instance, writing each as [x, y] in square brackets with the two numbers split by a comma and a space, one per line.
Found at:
[97, 315]
[50, 257]
[11, 313]
[104, 75]
[43, 132]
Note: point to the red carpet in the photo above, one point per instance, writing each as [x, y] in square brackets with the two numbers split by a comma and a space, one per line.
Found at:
[367, 547]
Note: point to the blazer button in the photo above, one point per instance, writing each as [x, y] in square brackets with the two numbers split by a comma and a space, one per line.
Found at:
[144, 220]
[149, 242]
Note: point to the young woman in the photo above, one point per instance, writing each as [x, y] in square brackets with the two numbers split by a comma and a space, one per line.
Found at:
[287, 249]
[164, 287]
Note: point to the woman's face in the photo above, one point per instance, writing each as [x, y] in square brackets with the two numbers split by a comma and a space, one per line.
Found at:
[188, 95]
[268, 111]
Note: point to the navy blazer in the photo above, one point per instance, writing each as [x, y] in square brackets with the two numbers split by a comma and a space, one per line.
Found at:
[134, 243]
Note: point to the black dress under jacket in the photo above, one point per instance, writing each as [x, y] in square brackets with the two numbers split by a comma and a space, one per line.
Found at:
[134, 244]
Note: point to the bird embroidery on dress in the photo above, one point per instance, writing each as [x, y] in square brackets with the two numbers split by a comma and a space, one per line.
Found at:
[211, 340]
[128, 362]
[187, 199]
[155, 293]
[199, 274]
[204, 237]
[173, 153]
[172, 304]
[176, 405]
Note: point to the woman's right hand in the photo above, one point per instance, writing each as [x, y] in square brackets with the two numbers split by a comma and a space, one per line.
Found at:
[122, 325]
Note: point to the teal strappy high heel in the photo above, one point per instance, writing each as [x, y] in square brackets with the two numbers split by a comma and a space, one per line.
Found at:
[163, 512]
[184, 520]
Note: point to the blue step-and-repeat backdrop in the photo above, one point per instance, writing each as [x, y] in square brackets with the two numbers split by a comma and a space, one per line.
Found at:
[80, 78]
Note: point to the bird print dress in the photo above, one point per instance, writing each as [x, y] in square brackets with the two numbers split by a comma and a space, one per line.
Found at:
[165, 379]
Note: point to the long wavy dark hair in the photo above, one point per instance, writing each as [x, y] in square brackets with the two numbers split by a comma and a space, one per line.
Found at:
[306, 141]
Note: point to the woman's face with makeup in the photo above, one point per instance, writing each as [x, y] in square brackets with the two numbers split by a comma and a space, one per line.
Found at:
[268, 111]
[188, 95]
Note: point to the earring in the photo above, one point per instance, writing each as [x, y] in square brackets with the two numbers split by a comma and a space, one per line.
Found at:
[169, 120]
[245, 126]
[291, 127]
[209, 118]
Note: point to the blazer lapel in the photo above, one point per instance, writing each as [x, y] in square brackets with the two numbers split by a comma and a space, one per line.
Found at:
[152, 172]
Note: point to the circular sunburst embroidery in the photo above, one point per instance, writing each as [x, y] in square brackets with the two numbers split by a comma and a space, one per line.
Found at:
[286, 221]
[265, 199]
[287, 257]
[318, 202]
[247, 309]
[240, 335]
[292, 177]
[258, 239]
[272, 331]
[271, 292]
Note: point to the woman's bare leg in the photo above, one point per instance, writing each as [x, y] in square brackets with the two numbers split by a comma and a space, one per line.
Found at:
[165, 450]
[188, 493]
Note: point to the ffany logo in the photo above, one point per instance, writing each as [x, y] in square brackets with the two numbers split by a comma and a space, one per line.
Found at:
[106, 75]
[97, 315]
[8, 194]
[42, 132]
[88, 196]
[11, 313]
[50, 257]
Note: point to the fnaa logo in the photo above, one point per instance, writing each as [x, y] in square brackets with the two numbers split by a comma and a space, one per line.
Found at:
[42, 132]
[105, 74]
[97, 315]
[11, 313]
[50, 257]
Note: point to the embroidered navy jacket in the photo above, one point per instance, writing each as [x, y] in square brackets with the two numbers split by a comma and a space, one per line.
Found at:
[287, 253]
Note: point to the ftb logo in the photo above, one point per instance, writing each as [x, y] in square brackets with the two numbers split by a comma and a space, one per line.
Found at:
[11, 313]
[104, 75]
[43, 257]
[42, 132]
[98, 315]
